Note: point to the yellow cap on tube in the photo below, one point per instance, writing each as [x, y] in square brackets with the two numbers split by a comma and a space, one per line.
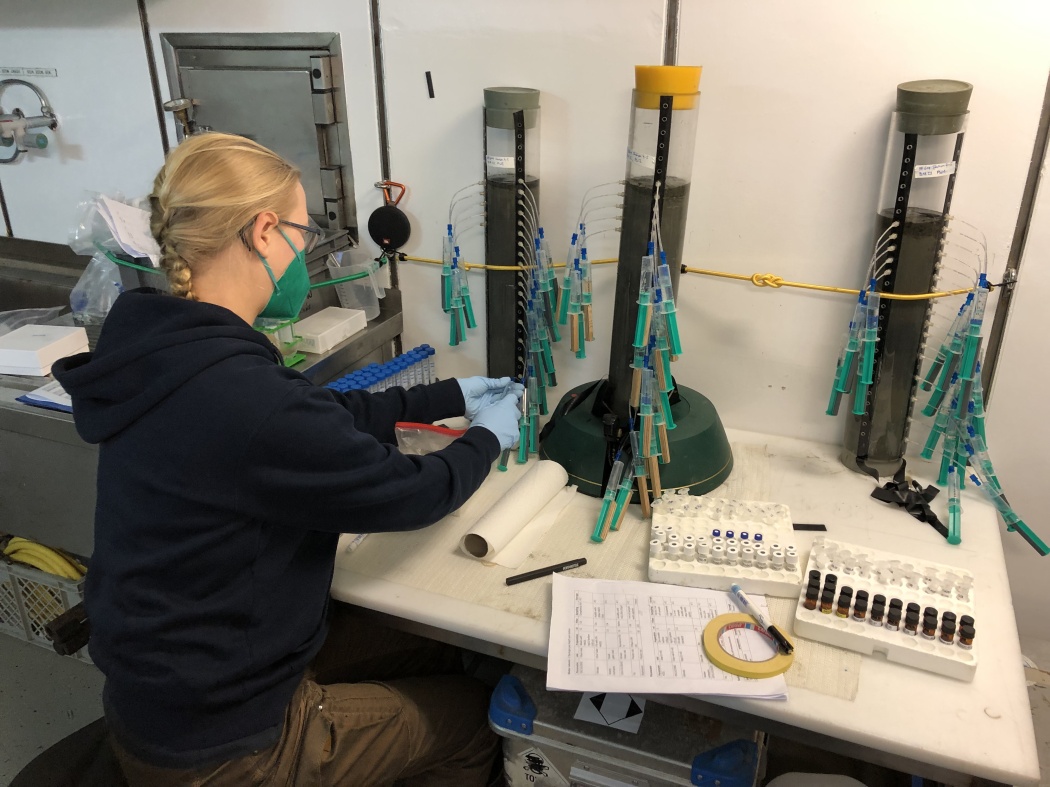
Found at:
[681, 82]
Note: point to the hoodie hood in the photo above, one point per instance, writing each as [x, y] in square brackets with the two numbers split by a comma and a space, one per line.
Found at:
[151, 344]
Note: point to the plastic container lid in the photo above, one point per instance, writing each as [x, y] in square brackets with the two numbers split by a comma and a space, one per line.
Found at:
[681, 82]
[502, 102]
[933, 106]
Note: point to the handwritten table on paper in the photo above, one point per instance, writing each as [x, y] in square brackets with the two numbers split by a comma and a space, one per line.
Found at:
[643, 637]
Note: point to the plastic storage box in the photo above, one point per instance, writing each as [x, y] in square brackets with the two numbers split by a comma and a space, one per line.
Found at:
[321, 332]
[31, 349]
[30, 599]
[543, 744]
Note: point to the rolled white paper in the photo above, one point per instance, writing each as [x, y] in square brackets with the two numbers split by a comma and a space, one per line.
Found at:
[497, 526]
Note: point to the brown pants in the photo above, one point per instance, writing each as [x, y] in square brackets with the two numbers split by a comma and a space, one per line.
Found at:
[411, 721]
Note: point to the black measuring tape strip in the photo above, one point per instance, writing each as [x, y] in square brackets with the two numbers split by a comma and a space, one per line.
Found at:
[663, 146]
[521, 284]
[900, 213]
[951, 178]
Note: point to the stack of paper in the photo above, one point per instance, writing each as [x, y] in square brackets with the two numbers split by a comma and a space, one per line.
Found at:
[31, 349]
[130, 228]
[644, 638]
[51, 397]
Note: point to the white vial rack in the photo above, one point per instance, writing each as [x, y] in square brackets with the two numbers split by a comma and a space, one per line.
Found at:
[712, 542]
[912, 581]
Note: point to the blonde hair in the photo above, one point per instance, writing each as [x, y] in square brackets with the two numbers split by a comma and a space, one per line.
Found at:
[208, 191]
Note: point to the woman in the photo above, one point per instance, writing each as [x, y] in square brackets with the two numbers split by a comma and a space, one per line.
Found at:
[224, 480]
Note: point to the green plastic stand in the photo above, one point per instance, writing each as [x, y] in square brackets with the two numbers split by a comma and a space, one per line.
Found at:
[701, 458]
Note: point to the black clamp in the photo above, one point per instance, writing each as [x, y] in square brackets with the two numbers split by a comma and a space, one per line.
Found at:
[912, 497]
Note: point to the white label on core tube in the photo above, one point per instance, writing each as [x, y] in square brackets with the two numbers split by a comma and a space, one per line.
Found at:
[641, 159]
[934, 170]
[500, 162]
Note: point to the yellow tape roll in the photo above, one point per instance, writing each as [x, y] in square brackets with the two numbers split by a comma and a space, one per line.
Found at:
[726, 661]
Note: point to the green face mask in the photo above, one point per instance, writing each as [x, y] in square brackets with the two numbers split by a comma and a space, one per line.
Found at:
[290, 292]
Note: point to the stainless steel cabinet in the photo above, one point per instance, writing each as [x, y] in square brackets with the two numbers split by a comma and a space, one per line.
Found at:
[281, 90]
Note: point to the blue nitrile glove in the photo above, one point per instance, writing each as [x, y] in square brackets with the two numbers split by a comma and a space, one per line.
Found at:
[501, 418]
[480, 392]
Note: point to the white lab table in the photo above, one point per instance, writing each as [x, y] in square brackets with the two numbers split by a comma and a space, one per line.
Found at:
[902, 717]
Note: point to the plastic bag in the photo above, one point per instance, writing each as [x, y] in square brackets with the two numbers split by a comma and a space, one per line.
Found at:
[419, 439]
[11, 321]
[89, 229]
[94, 294]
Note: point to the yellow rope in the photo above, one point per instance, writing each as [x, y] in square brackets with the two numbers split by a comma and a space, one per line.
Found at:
[770, 280]
[758, 279]
[469, 266]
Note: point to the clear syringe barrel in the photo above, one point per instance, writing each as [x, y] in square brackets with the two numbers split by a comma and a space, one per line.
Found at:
[662, 139]
[637, 459]
[921, 157]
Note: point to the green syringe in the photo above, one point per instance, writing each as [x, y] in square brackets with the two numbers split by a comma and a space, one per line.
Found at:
[954, 507]
[607, 512]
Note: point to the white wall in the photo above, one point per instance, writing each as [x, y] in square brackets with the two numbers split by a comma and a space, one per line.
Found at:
[583, 64]
[107, 138]
[795, 107]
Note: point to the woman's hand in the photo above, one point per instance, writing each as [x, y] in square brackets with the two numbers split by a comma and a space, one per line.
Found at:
[501, 418]
[481, 392]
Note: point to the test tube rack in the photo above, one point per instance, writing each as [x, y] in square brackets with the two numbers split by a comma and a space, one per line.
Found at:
[713, 542]
[912, 581]
[414, 367]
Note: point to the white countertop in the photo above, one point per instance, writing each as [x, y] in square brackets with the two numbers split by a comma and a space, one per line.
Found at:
[983, 728]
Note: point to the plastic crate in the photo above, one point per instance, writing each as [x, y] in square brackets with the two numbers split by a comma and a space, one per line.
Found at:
[30, 599]
[544, 743]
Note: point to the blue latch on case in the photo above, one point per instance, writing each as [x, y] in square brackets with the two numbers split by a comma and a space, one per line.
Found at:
[731, 765]
[511, 707]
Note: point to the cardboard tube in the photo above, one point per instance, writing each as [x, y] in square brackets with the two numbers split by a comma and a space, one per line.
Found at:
[623, 513]
[607, 521]
[661, 379]
[496, 527]
[654, 474]
[665, 447]
[636, 387]
[643, 495]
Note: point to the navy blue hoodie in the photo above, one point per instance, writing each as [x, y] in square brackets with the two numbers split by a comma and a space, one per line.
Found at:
[224, 480]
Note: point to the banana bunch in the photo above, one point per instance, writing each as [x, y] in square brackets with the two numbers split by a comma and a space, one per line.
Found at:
[44, 558]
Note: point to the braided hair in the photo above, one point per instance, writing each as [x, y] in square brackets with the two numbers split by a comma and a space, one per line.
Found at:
[210, 188]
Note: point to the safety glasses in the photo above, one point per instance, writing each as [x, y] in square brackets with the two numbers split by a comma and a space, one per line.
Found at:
[312, 234]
